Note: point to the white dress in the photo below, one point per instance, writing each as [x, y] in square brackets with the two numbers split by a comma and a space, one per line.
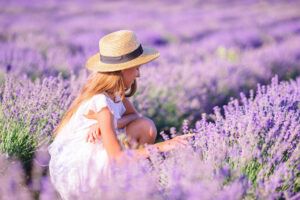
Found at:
[74, 163]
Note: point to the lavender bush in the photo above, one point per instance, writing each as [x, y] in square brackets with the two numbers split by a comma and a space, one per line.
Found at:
[259, 136]
[12, 180]
[250, 152]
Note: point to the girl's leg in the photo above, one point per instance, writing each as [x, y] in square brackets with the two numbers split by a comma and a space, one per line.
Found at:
[142, 130]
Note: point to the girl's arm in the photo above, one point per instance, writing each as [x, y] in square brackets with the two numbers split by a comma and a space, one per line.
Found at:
[165, 146]
[126, 119]
[109, 138]
[111, 142]
[130, 109]
[130, 114]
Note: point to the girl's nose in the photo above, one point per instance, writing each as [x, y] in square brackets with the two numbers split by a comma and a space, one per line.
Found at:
[138, 73]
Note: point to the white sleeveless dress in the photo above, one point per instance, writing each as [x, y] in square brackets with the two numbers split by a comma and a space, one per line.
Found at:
[74, 163]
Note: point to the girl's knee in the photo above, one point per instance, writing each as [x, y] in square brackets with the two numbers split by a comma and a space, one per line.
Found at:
[150, 129]
[143, 129]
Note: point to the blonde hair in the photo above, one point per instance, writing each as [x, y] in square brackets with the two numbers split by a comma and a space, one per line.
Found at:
[97, 82]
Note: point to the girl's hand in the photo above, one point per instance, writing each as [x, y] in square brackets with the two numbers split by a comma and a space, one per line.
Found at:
[94, 133]
[178, 141]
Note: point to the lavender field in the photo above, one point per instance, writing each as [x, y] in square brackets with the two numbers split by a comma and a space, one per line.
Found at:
[229, 71]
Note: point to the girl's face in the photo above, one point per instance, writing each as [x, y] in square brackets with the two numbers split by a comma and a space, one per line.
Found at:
[129, 75]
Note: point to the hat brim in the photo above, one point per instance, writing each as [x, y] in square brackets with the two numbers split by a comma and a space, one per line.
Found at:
[94, 63]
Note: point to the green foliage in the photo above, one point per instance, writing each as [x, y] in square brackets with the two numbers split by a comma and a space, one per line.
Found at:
[251, 170]
[169, 118]
[16, 140]
[297, 182]
[228, 54]
[164, 114]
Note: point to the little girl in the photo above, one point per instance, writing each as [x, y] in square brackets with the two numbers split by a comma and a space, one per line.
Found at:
[102, 108]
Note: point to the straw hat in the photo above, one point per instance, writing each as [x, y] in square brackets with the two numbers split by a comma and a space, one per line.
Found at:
[120, 50]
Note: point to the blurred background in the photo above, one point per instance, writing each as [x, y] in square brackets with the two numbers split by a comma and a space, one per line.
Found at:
[210, 52]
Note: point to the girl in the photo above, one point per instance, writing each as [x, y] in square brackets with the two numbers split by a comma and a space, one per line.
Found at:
[102, 108]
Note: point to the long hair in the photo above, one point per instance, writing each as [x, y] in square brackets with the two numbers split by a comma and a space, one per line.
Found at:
[97, 82]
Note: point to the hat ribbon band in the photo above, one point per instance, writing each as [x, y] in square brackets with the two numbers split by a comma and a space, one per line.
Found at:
[124, 58]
